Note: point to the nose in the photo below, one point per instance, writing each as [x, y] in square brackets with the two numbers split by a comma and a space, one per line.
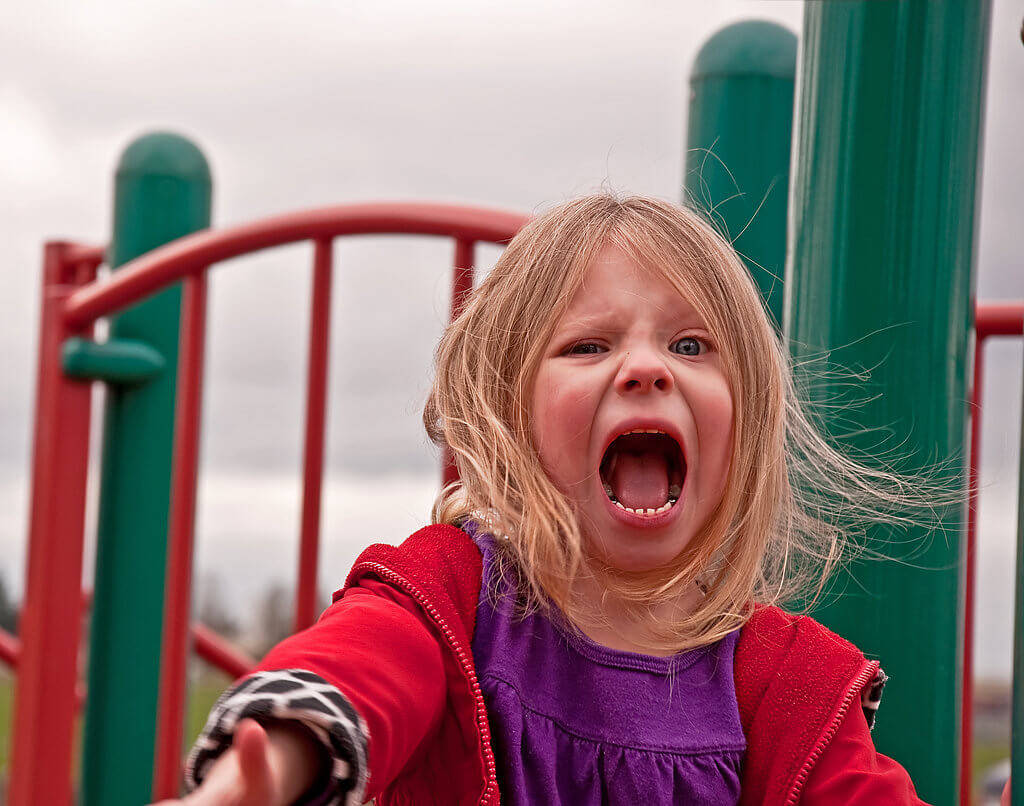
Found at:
[643, 370]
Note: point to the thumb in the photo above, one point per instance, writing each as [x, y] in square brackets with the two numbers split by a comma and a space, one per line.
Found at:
[253, 750]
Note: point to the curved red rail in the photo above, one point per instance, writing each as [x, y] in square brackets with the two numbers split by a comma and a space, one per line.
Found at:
[72, 302]
[194, 253]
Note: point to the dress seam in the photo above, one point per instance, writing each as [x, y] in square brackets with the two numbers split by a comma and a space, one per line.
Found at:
[596, 654]
[738, 748]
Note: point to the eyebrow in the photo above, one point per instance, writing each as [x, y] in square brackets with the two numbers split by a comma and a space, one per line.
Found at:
[599, 323]
[604, 322]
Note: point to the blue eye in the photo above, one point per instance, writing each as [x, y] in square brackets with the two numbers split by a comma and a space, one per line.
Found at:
[688, 346]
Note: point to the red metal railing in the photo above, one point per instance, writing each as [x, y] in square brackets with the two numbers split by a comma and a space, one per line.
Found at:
[990, 320]
[72, 302]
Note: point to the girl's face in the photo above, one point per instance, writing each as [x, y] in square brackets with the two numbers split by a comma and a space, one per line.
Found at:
[632, 414]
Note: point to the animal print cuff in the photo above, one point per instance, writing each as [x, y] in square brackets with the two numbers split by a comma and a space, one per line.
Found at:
[298, 695]
[871, 695]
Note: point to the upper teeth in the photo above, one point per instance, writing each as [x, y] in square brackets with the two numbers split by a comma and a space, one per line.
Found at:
[643, 431]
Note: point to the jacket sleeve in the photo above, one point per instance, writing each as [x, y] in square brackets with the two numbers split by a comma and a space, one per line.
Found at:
[852, 771]
[375, 646]
[367, 680]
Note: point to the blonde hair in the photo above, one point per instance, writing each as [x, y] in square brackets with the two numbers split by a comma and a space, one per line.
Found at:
[792, 505]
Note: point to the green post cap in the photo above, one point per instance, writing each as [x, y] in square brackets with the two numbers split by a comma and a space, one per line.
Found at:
[164, 154]
[751, 47]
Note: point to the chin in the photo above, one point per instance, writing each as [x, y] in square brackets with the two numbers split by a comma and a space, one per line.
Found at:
[632, 556]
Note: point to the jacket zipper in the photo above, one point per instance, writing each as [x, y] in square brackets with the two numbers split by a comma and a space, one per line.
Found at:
[483, 731]
[856, 686]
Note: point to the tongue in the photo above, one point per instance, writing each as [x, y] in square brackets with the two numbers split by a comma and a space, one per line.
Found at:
[640, 480]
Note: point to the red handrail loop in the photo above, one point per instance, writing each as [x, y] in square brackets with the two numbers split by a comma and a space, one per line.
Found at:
[72, 302]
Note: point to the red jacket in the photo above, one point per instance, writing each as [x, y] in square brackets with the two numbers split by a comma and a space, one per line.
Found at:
[396, 641]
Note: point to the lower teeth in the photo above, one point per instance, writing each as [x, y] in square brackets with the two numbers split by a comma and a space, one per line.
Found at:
[673, 496]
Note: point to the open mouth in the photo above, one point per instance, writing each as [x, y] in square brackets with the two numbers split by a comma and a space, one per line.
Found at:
[642, 471]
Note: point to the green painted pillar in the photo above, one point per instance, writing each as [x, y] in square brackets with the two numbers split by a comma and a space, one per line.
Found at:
[884, 195]
[161, 192]
[739, 137]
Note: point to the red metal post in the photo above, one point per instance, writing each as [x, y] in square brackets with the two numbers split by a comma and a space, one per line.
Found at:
[993, 319]
[51, 619]
[313, 463]
[462, 287]
[167, 766]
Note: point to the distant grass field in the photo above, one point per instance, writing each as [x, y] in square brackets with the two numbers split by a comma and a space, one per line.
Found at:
[6, 717]
[202, 695]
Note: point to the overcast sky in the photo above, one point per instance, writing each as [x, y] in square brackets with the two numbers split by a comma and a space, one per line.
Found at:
[300, 104]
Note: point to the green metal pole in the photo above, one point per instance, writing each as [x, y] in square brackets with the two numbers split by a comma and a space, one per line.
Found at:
[738, 143]
[884, 196]
[162, 192]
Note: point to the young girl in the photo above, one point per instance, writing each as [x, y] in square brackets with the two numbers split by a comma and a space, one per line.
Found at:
[592, 617]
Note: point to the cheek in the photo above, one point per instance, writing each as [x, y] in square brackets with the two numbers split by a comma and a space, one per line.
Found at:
[562, 417]
[717, 433]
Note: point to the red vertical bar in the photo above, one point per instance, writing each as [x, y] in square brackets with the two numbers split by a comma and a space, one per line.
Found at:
[462, 287]
[967, 692]
[51, 618]
[181, 525]
[313, 460]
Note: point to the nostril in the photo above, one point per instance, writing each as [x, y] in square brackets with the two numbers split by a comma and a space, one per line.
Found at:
[660, 383]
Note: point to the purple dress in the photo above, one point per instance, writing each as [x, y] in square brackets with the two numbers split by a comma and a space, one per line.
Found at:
[574, 723]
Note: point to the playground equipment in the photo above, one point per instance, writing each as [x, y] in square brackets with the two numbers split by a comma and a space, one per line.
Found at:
[881, 243]
[739, 135]
[847, 241]
[890, 112]
[73, 301]
[162, 192]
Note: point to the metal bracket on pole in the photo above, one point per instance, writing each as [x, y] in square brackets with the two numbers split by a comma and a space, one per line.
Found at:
[123, 362]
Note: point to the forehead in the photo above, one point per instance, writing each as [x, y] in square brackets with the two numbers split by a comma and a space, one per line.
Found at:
[614, 281]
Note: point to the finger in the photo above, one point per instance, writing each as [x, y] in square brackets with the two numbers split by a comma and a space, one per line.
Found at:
[253, 760]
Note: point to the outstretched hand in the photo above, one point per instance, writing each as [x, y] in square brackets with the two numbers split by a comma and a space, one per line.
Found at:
[248, 773]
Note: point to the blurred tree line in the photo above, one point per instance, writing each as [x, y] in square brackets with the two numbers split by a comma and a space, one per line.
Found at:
[268, 623]
[8, 608]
